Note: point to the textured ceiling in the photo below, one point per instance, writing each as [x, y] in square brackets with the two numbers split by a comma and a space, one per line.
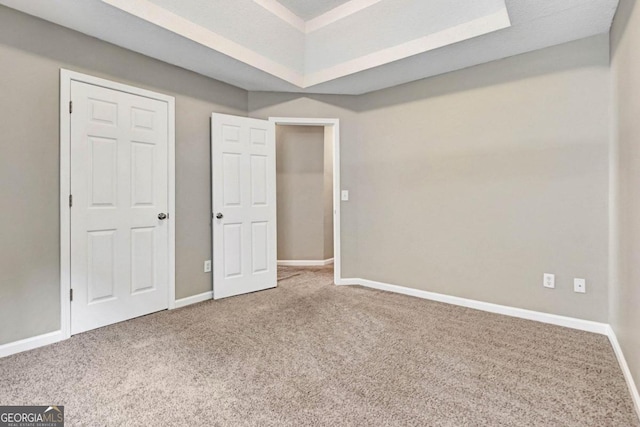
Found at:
[308, 9]
[361, 46]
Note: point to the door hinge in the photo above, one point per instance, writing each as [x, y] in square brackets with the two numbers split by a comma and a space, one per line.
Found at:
[70, 200]
[70, 294]
[70, 107]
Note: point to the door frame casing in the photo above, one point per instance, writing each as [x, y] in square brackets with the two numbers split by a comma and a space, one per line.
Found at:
[334, 125]
[66, 78]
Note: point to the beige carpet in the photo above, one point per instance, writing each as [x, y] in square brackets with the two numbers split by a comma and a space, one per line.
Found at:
[310, 353]
[286, 272]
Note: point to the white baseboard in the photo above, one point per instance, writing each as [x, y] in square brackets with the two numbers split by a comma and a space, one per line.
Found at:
[56, 336]
[633, 389]
[183, 302]
[568, 322]
[342, 281]
[31, 343]
[305, 263]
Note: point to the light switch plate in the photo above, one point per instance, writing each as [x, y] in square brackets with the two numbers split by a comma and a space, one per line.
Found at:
[580, 286]
[344, 195]
[207, 266]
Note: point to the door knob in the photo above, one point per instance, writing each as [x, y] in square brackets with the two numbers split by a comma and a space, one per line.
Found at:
[219, 215]
[162, 216]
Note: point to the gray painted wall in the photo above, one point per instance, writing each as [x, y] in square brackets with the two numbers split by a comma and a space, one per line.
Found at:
[477, 182]
[328, 193]
[305, 192]
[32, 52]
[300, 184]
[625, 214]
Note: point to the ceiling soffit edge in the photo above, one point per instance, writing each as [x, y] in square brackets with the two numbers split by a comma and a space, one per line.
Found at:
[157, 15]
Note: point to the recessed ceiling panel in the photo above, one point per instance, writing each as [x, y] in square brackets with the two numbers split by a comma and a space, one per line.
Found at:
[390, 24]
[309, 9]
[247, 24]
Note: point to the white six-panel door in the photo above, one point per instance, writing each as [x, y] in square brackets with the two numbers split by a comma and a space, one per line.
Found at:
[119, 184]
[244, 205]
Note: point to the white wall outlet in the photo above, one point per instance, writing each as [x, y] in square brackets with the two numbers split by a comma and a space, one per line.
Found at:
[344, 195]
[207, 266]
[580, 286]
[549, 280]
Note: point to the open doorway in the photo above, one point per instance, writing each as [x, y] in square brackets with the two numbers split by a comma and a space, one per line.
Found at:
[304, 179]
[244, 201]
[307, 195]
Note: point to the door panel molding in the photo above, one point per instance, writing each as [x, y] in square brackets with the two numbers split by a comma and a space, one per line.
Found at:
[105, 113]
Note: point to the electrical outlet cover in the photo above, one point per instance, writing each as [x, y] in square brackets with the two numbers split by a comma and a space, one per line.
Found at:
[207, 266]
[549, 280]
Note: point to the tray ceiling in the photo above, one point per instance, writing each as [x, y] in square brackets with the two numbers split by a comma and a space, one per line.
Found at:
[328, 46]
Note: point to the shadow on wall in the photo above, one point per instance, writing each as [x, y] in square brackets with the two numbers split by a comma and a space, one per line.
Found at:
[622, 18]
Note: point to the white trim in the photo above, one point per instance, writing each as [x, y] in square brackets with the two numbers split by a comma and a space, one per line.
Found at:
[345, 282]
[335, 126]
[633, 389]
[163, 18]
[477, 27]
[65, 212]
[31, 343]
[171, 104]
[183, 302]
[66, 77]
[338, 13]
[304, 121]
[276, 8]
[553, 319]
[305, 263]
[157, 15]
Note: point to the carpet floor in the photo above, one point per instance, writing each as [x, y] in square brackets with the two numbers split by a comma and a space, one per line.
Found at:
[310, 353]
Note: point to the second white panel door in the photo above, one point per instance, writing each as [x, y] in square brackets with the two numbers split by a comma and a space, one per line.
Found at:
[244, 205]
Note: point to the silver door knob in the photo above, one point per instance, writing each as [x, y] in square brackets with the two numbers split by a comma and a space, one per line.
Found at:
[219, 215]
[162, 216]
